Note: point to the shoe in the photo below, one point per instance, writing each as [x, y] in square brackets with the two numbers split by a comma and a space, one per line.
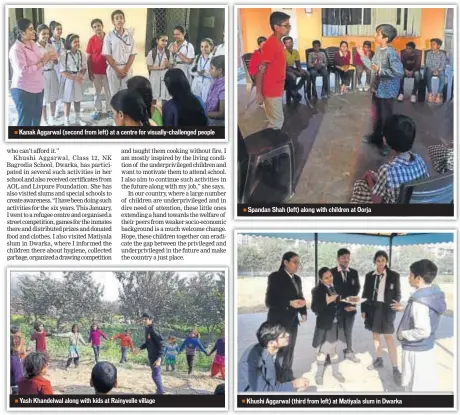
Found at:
[80, 122]
[397, 377]
[360, 88]
[438, 99]
[413, 99]
[96, 115]
[366, 139]
[401, 97]
[385, 150]
[319, 379]
[351, 356]
[377, 363]
[339, 377]
[59, 113]
[67, 123]
[430, 98]
[367, 87]
[298, 97]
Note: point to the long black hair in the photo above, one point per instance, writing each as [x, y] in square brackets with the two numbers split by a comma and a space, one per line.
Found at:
[129, 102]
[191, 112]
[20, 27]
[143, 86]
[381, 254]
[183, 31]
[34, 363]
[287, 257]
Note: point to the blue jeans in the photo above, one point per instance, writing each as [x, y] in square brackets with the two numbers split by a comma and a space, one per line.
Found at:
[156, 376]
[429, 76]
[28, 106]
[124, 354]
[96, 352]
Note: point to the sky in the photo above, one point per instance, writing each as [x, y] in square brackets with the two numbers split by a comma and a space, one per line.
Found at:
[106, 278]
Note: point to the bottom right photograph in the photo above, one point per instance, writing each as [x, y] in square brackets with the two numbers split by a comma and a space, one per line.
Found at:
[345, 319]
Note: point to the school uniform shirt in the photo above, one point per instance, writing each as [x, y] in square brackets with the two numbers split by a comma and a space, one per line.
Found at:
[188, 51]
[98, 60]
[403, 168]
[119, 46]
[202, 83]
[24, 59]
[50, 78]
[59, 47]
[292, 57]
[157, 77]
[73, 63]
[38, 385]
[275, 59]
[220, 50]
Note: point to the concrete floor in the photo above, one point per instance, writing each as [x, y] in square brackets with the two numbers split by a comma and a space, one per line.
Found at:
[329, 155]
[357, 377]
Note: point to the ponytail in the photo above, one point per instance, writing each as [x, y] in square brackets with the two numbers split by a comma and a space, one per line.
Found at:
[286, 257]
[129, 102]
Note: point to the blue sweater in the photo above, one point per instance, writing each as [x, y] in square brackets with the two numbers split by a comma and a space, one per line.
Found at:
[434, 299]
[191, 344]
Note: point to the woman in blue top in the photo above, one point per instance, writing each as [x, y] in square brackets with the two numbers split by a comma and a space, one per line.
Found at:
[184, 109]
[190, 344]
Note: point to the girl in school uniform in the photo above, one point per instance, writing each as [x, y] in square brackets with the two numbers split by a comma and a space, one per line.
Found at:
[158, 62]
[58, 43]
[73, 68]
[51, 81]
[183, 52]
[382, 290]
[201, 70]
[324, 305]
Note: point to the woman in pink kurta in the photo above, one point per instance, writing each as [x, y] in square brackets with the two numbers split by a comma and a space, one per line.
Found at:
[27, 83]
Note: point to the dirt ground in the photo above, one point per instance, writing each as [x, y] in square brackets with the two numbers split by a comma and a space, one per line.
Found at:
[132, 379]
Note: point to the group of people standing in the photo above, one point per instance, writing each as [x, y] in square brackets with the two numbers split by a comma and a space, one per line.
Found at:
[49, 71]
[267, 366]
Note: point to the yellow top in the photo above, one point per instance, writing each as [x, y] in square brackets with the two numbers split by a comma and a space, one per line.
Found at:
[291, 58]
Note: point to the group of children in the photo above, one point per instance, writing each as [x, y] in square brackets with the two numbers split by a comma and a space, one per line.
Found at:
[186, 90]
[28, 369]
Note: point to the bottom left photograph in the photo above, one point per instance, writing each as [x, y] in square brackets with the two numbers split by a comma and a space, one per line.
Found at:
[134, 338]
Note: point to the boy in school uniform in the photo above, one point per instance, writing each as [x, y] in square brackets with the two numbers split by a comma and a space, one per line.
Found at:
[418, 326]
[97, 69]
[120, 50]
[405, 166]
[387, 71]
[272, 71]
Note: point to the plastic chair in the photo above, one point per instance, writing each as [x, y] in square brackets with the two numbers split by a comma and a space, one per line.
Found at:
[263, 146]
[330, 53]
[437, 189]
[250, 84]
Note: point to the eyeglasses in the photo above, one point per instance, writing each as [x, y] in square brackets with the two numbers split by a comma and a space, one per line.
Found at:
[285, 25]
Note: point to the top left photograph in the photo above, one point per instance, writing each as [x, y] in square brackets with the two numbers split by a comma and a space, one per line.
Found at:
[83, 72]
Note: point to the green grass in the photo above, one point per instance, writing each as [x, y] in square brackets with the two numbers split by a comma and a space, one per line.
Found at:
[110, 350]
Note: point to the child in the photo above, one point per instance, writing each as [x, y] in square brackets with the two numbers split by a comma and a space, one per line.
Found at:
[75, 339]
[97, 69]
[103, 378]
[324, 305]
[343, 63]
[94, 337]
[218, 366]
[17, 342]
[253, 66]
[405, 166]
[73, 68]
[387, 71]
[143, 86]
[293, 70]
[182, 51]
[418, 326]
[39, 337]
[184, 108]
[411, 59]
[360, 68]
[202, 78]
[129, 109]
[171, 351]
[35, 368]
[435, 67]
[191, 343]
[158, 62]
[59, 46]
[317, 65]
[126, 342]
[120, 50]
[51, 81]
[382, 288]
[16, 372]
[271, 74]
[215, 103]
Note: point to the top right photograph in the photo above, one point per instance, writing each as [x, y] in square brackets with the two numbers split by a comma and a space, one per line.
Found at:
[345, 111]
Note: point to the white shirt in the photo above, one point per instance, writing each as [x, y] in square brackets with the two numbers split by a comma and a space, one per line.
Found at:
[119, 47]
[381, 287]
[50, 64]
[74, 62]
[186, 49]
[220, 50]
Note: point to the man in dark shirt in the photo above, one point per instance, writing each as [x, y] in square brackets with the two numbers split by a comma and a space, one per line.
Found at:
[411, 59]
[155, 346]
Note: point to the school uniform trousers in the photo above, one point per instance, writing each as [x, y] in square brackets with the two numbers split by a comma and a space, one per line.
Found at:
[379, 315]
[346, 284]
[281, 290]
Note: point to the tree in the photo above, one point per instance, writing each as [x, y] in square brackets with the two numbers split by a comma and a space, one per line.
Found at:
[108, 310]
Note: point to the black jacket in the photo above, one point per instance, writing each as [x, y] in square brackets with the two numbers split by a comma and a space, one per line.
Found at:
[349, 289]
[280, 292]
[154, 344]
[392, 290]
[325, 313]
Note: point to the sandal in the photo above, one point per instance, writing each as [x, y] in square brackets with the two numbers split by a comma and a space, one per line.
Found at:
[430, 98]
[438, 99]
